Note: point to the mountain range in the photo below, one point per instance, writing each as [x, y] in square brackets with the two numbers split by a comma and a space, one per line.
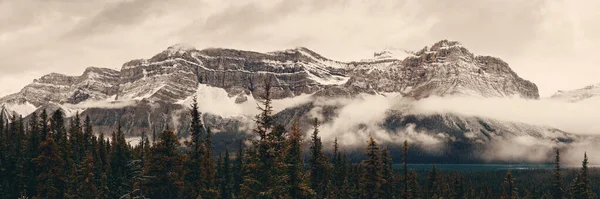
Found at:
[154, 94]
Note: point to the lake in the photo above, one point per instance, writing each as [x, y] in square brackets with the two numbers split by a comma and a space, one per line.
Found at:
[480, 167]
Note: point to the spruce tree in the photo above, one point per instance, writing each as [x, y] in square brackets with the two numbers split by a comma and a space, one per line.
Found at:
[165, 168]
[432, 183]
[413, 186]
[194, 180]
[510, 189]
[387, 172]
[207, 165]
[557, 190]
[51, 180]
[405, 169]
[318, 163]
[581, 187]
[372, 178]
[238, 175]
[263, 167]
[87, 187]
[119, 181]
[33, 145]
[226, 177]
[339, 175]
[296, 187]
[88, 134]
[76, 139]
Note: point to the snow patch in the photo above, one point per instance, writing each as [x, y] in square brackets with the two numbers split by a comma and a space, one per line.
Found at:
[23, 109]
[216, 101]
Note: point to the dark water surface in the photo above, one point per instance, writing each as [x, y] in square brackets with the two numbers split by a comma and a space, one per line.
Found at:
[480, 167]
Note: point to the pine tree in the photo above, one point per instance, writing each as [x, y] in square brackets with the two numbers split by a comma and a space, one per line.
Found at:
[88, 134]
[581, 186]
[432, 183]
[87, 187]
[557, 190]
[296, 187]
[413, 186]
[458, 188]
[226, 177]
[339, 178]
[164, 166]
[14, 160]
[33, 145]
[318, 164]
[194, 180]
[207, 164]
[372, 178]
[510, 189]
[238, 169]
[76, 139]
[51, 179]
[119, 180]
[45, 129]
[387, 171]
[405, 169]
[264, 165]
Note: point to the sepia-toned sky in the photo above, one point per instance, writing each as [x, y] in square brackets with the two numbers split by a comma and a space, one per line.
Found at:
[553, 43]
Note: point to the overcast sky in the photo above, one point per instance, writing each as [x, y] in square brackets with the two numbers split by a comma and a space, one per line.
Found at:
[550, 42]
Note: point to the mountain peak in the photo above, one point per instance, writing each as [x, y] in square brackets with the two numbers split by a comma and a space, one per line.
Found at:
[180, 47]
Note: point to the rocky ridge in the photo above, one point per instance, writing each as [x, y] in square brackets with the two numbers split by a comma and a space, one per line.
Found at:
[149, 94]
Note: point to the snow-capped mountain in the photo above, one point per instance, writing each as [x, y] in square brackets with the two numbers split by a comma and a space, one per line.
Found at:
[586, 93]
[148, 94]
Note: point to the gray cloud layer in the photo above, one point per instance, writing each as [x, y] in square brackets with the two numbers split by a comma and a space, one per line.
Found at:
[551, 42]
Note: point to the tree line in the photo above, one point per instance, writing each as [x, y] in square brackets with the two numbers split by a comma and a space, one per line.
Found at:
[45, 158]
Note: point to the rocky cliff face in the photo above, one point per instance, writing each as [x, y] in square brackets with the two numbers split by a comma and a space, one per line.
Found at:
[445, 68]
[147, 94]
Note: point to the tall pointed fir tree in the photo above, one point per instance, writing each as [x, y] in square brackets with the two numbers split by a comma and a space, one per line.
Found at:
[165, 168]
[226, 177]
[387, 172]
[120, 156]
[51, 180]
[86, 188]
[297, 189]
[431, 189]
[33, 145]
[238, 168]
[319, 164]
[339, 176]
[207, 165]
[581, 186]
[557, 190]
[76, 139]
[414, 189]
[405, 191]
[372, 178]
[88, 134]
[14, 160]
[510, 190]
[194, 180]
[264, 159]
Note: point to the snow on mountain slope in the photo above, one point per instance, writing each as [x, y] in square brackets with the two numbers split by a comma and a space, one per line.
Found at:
[217, 101]
[151, 93]
[446, 68]
[577, 95]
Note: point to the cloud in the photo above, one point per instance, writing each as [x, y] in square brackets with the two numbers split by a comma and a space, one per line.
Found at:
[358, 118]
[577, 118]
